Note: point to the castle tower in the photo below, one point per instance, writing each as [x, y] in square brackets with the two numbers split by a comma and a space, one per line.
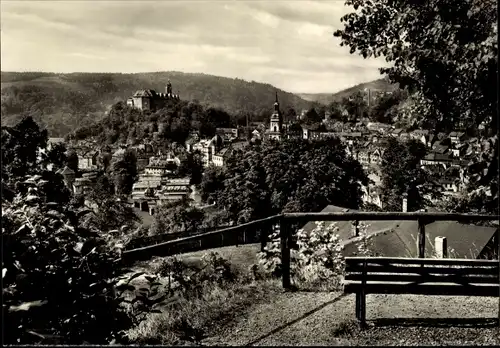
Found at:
[169, 89]
[276, 124]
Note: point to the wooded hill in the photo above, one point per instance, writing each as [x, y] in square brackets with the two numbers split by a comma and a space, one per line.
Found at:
[64, 102]
[380, 85]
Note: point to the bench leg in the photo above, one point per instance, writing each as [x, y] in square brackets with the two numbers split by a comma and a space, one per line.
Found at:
[358, 305]
[361, 307]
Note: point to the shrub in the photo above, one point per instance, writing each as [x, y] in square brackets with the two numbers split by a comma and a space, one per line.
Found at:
[58, 277]
[319, 259]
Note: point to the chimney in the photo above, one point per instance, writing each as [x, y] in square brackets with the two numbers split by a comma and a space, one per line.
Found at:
[441, 246]
[355, 229]
[405, 205]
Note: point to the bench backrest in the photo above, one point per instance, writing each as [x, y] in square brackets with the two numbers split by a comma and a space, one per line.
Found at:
[417, 272]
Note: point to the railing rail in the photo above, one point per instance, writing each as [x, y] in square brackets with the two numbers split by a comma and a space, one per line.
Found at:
[226, 236]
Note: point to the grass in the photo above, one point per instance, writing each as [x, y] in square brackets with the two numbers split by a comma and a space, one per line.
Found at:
[191, 319]
[146, 219]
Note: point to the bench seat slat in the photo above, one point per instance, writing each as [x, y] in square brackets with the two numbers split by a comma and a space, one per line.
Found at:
[427, 278]
[371, 268]
[418, 261]
[423, 289]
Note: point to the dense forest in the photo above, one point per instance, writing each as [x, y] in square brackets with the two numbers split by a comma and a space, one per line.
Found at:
[126, 125]
[64, 102]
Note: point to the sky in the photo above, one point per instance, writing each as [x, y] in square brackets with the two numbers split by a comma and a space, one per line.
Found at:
[288, 44]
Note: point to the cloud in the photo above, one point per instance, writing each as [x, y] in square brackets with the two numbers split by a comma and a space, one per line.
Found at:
[288, 44]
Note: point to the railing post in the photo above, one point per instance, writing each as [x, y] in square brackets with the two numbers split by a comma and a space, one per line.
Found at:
[421, 238]
[285, 252]
[265, 231]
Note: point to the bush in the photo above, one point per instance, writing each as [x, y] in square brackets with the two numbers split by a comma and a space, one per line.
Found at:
[58, 277]
[319, 259]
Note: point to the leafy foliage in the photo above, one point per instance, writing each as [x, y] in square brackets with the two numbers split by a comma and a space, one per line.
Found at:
[444, 52]
[403, 175]
[107, 210]
[211, 183]
[51, 260]
[125, 172]
[20, 145]
[292, 175]
[176, 217]
[317, 261]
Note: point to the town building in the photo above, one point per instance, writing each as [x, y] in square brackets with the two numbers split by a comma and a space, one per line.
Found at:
[88, 160]
[162, 165]
[147, 196]
[207, 148]
[69, 176]
[228, 134]
[457, 137]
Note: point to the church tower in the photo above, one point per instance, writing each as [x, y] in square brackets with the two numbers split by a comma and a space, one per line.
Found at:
[276, 124]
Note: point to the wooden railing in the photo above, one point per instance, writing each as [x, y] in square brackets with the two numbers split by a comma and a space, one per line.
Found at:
[259, 230]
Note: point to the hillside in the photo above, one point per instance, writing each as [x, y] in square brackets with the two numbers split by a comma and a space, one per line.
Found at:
[327, 98]
[63, 102]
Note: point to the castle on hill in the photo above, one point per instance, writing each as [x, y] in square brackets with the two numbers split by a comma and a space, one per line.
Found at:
[149, 99]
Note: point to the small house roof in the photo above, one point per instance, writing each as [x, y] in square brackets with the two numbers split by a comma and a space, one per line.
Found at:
[457, 134]
[66, 171]
[147, 93]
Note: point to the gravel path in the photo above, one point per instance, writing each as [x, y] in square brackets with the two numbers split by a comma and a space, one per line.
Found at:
[309, 318]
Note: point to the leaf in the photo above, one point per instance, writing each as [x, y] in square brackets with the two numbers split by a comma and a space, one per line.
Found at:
[125, 287]
[4, 272]
[26, 306]
[150, 278]
[136, 275]
[78, 247]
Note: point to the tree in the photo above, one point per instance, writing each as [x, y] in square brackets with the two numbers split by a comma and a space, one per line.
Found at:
[125, 172]
[443, 51]
[382, 110]
[58, 276]
[312, 117]
[290, 115]
[356, 106]
[20, 148]
[177, 217]
[56, 155]
[292, 175]
[335, 109]
[110, 212]
[402, 175]
[211, 183]
[446, 54]
[191, 165]
[72, 160]
[105, 159]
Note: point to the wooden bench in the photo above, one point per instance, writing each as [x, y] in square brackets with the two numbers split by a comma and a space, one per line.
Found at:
[452, 277]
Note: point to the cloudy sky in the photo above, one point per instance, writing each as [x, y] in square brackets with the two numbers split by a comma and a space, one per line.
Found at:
[288, 44]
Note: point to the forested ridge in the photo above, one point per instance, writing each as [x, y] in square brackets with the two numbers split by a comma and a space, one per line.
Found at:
[64, 102]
